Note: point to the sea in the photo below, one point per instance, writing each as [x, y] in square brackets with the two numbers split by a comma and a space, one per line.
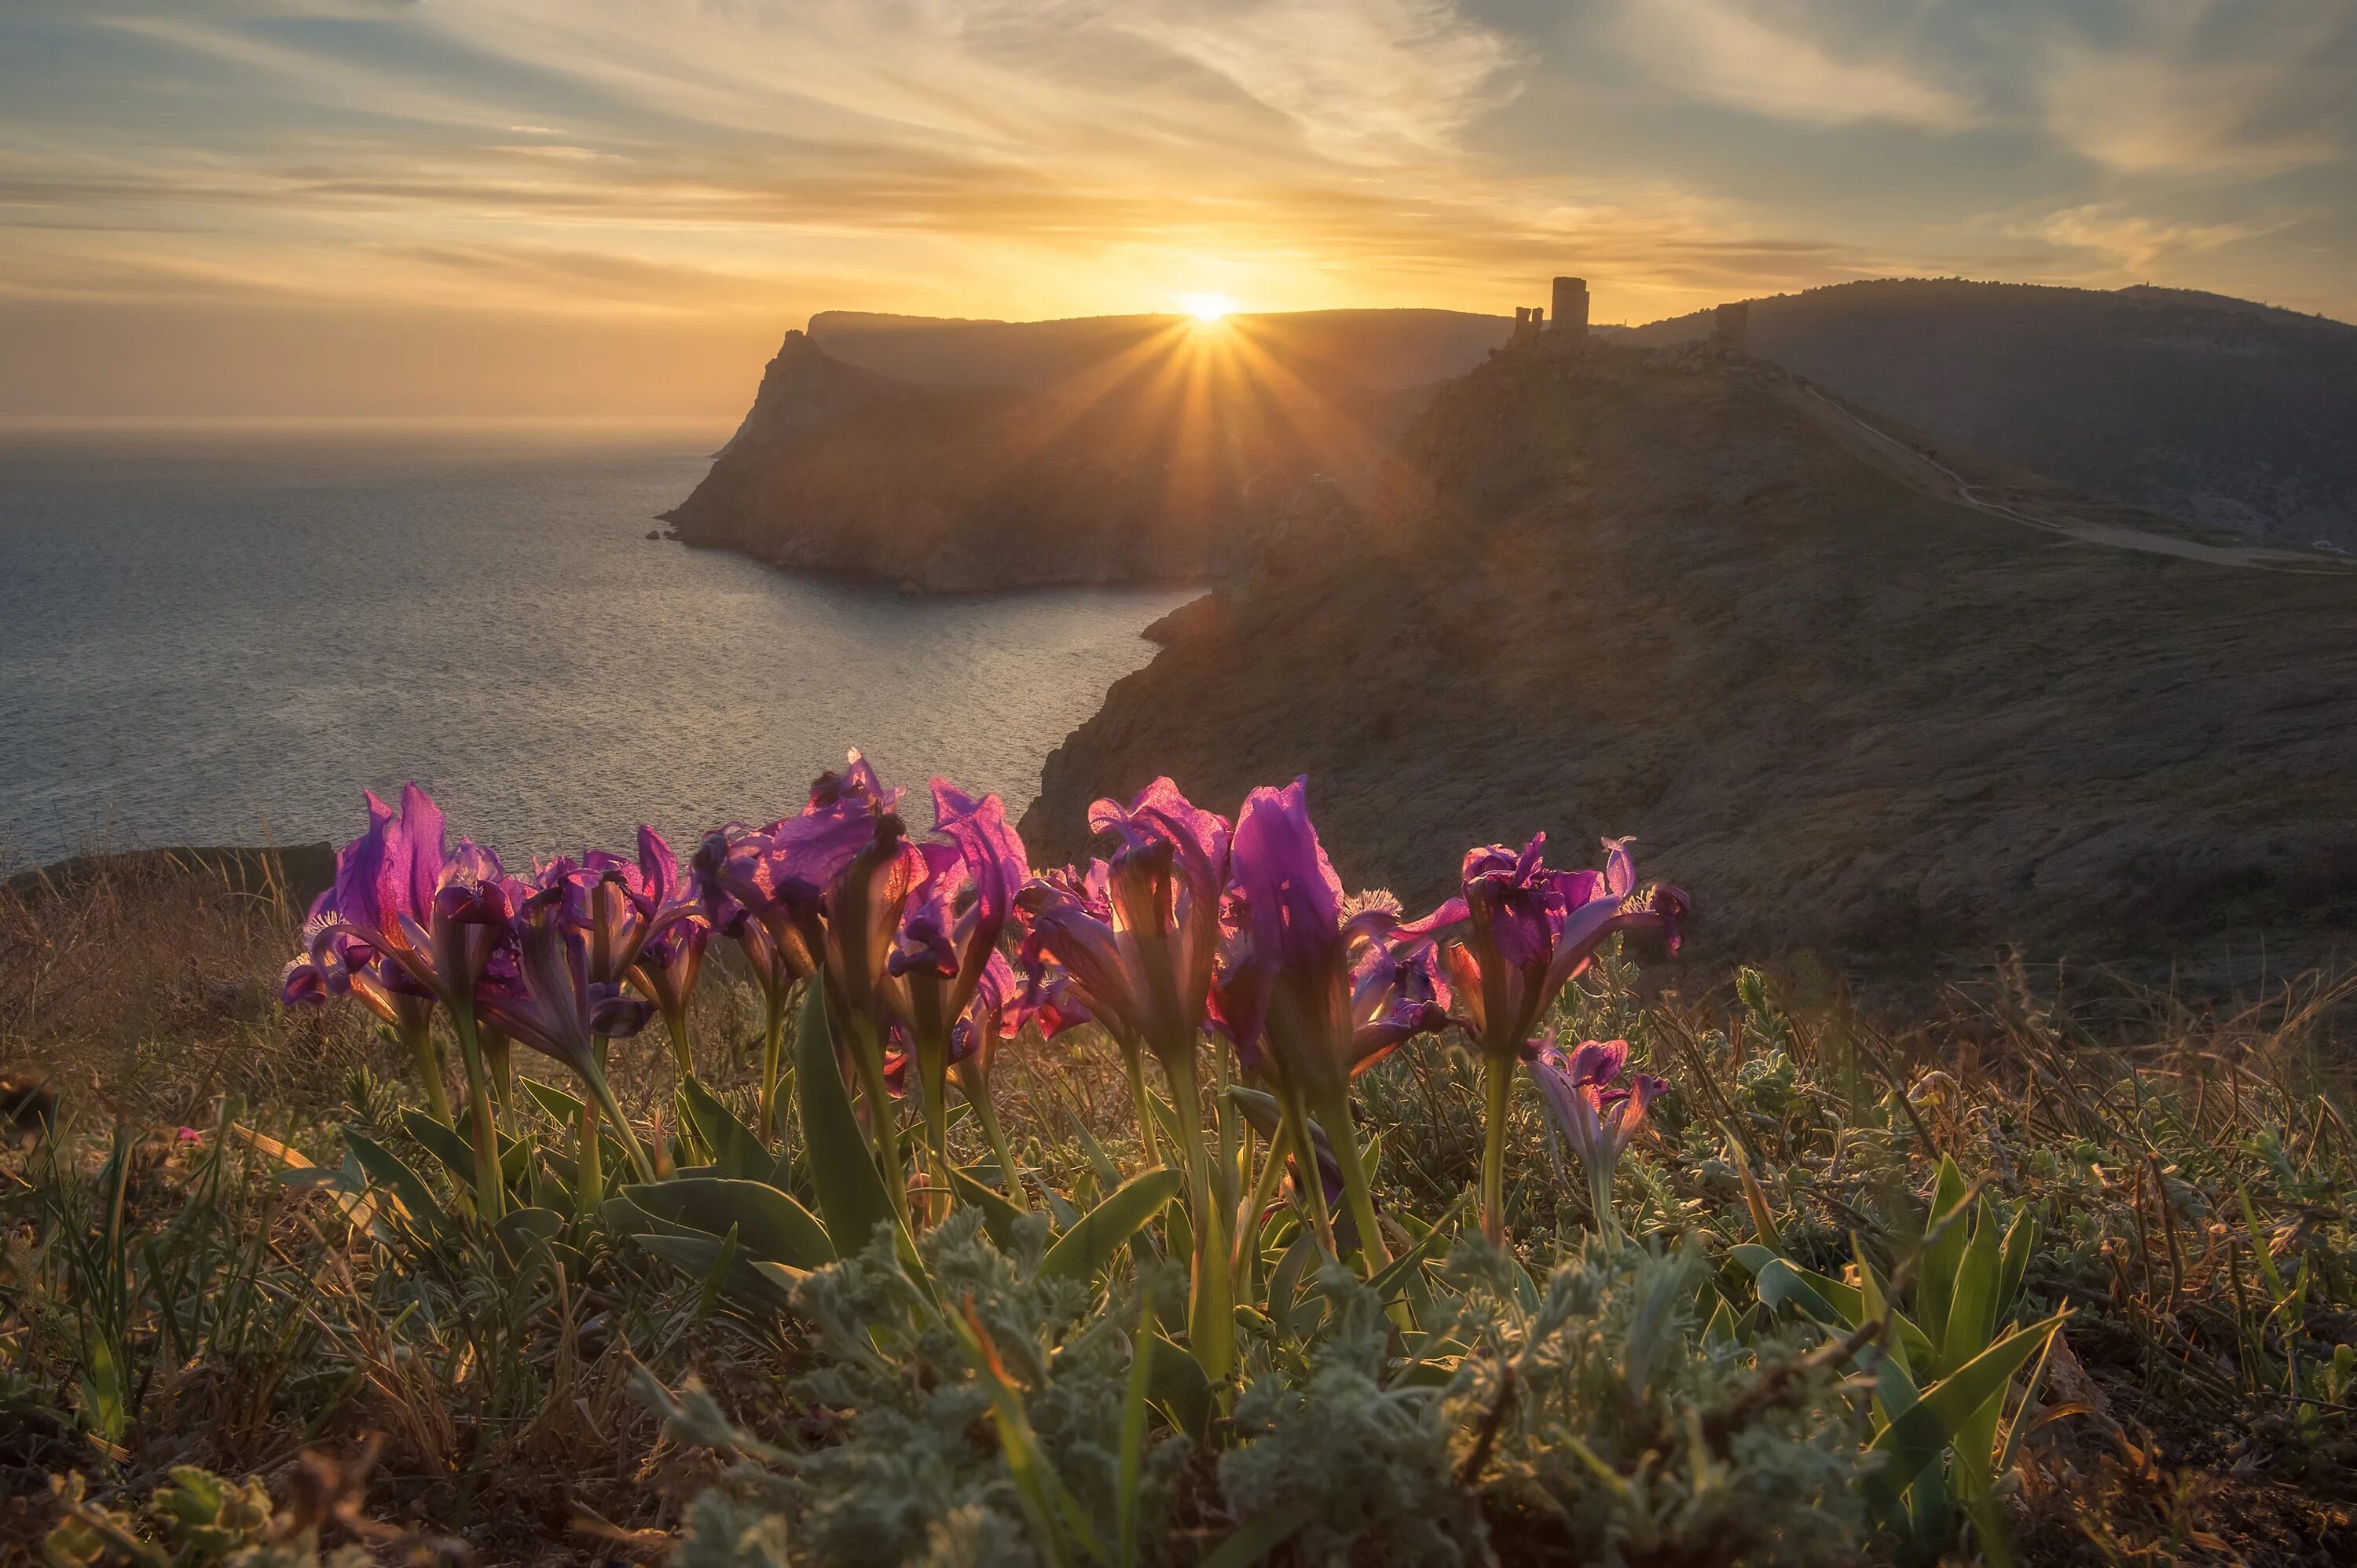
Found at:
[222, 634]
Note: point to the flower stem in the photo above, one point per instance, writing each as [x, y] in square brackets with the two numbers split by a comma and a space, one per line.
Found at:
[1334, 1115]
[978, 1096]
[1210, 1304]
[604, 1093]
[933, 1063]
[682, 1069]
[1313, 1183]
[869, 1057]
[1223, 1109]
[1599, 1197]
[490, 1191]
[589, 1163]
[773, 1047]
[1142, 1100]
[499, 1061]
[1240, 1261]
[429, 1072]
[1498, 1079]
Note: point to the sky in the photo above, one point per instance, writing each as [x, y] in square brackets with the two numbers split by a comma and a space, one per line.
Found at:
[616, 207]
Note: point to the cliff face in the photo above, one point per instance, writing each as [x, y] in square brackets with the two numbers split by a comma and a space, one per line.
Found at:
[1119, 450]
[2209, 410]
[1844, 712]
[946, 489]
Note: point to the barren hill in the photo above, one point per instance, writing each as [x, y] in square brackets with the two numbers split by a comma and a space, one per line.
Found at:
[2211, 410]
[1693, 602]
[945, 457]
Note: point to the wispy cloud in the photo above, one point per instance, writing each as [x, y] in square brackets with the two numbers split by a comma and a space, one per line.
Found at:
[1363, 81]
[2211, 86]
[1788, 63]
[2122, 242]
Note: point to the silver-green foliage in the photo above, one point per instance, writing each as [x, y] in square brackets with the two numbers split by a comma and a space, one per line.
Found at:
[1367, 1464]
[1628, 1431]
[920, 1475]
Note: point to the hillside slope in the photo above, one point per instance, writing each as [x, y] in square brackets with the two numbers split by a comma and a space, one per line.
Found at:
[950, 456]
[2209, 410]
[1844, 714]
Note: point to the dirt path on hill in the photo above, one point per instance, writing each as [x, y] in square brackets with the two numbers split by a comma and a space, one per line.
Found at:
[1928, 475]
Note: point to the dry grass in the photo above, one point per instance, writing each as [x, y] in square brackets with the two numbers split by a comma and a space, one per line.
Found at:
[146, 991]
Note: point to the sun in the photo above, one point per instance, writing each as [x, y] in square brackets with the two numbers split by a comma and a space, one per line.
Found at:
[1207, 309]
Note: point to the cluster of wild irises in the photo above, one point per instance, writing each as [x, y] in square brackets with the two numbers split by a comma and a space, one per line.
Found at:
[1197, 942]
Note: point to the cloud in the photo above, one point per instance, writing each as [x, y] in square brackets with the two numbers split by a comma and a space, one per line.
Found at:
[1363, 80]
[2243, 86]
[2129, 243]
[1780, 65]
[723, 167]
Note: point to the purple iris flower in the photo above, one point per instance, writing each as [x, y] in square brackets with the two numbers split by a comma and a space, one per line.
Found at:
[434, 912]
[435, 915]
[954, 918]
[950, 924]
[541, 992]
[766, 887]
[1139, 937]
[1329, 990]
[1330, 994]
[992, 1014]
[1044, 997]
[864, 904]
[645, 924]
[335, 963]
[1530, 930]
[840, 875]
[775, 891]
[625, 904]
[1139, 941]
[1597, 1115]
[666, 974]
[762, 901]
[1396, 993]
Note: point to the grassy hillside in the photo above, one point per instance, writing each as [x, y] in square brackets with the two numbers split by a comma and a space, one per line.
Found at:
[2211, 410]
[1685, 604]
[190, 1275]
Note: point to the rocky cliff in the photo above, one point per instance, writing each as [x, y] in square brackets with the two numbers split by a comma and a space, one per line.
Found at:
[1691, 601]
[2209, 410]
[939, 489]
[1115, 450]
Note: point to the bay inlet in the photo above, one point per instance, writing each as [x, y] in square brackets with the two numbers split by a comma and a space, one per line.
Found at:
[222, 634]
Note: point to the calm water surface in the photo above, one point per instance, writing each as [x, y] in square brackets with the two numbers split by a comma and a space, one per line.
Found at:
[221, 637]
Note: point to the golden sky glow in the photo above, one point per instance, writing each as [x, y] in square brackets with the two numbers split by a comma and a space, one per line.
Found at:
[617, 206]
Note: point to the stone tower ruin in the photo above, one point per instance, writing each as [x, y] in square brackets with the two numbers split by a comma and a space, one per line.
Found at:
[1729, 326]
[1571, 307]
